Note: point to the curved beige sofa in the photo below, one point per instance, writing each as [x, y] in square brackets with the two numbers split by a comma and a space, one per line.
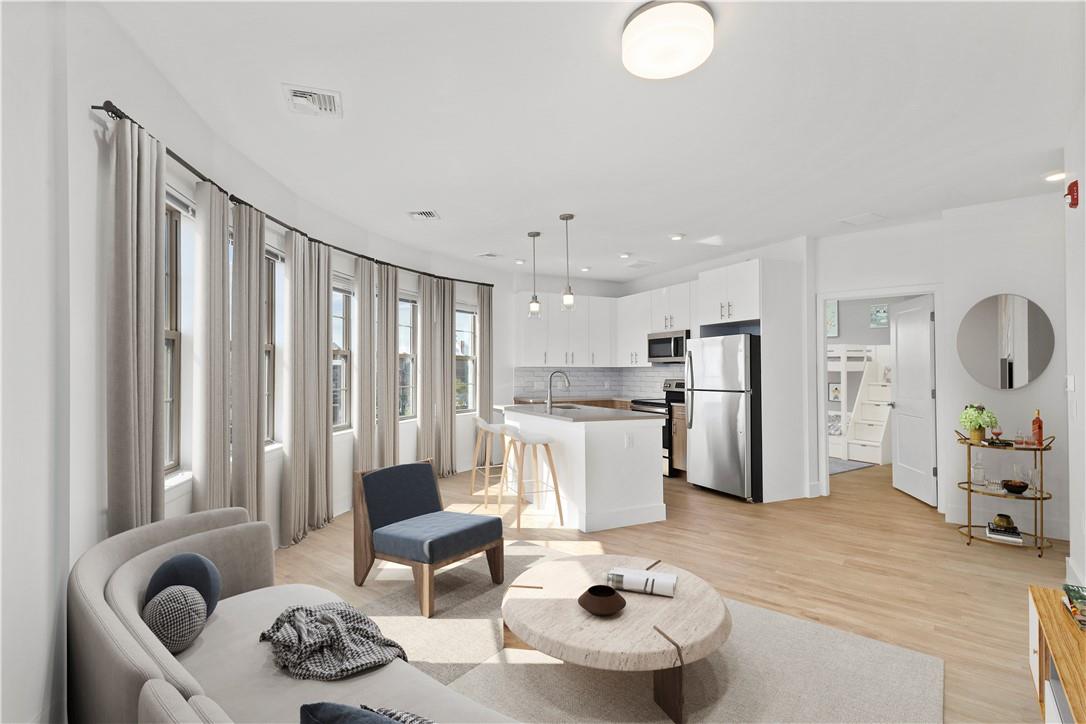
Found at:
[227, 675]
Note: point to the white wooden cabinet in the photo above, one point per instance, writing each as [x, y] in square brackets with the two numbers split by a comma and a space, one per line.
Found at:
[633, 315]
[567, 331]
[729, 294]
[670, 307]
[601, 332]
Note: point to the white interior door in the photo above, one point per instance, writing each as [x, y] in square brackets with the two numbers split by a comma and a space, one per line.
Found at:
[912, 338]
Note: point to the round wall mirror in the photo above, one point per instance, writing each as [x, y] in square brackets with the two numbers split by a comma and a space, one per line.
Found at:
[1005, 341]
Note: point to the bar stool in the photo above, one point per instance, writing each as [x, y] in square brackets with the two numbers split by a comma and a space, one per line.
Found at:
[518, 442]
[484, 439]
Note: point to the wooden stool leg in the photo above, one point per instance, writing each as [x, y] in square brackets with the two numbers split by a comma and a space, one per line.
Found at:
[488, 440]
[520, 479]
[479, 434]
[537, 499]
[554, 480]
[505, 469]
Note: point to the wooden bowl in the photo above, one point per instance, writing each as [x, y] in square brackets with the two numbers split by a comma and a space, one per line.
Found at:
[1015, 486]
[602, 601]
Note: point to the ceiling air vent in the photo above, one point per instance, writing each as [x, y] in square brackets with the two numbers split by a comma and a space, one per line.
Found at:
[863, 219]
[427, 215]
[314, 101]
[488, 255]
[639, 263]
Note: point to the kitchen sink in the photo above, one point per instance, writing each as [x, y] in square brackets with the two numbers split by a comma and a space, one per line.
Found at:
[564, 407]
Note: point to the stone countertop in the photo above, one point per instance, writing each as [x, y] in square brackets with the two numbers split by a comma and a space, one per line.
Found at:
[532, 398]
[583, 413]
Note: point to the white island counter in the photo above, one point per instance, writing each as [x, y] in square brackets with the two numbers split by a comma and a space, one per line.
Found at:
[609, 462]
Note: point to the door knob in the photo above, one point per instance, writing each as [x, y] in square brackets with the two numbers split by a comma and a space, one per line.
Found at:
[892, 404]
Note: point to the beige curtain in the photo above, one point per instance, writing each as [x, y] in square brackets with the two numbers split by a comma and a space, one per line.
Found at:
[306, 494]
[442, 355]
[387, 366]
[485, 355]
[247, 362]
[135, 356]
[363, 382]
[318, 365]
[427, 372]
[210, 352]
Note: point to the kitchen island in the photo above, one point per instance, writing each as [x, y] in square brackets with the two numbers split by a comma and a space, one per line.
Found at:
[608, 460]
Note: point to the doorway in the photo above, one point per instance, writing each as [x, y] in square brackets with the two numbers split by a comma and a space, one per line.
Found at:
[876, 390]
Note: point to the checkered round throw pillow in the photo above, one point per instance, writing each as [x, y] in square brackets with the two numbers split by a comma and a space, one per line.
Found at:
[176, 616]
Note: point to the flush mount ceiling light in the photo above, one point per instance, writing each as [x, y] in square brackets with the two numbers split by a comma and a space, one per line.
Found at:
[667, 38]
[586, 268]
[1057, 176]
[677, 237]
[518, 262]
[624, 255]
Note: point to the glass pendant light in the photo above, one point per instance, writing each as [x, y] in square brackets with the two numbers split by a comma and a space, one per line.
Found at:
[567, 295]
[535, 309]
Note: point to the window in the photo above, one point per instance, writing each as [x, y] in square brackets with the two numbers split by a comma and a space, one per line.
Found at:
[406, 316]
[172, 341]
[465, 360]
[269, 347]
[341, 359]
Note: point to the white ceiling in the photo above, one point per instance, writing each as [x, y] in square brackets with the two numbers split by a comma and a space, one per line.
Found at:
[500, 116]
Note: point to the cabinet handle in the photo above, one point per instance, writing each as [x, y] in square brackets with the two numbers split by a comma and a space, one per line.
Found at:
[722, 310]
[544, 358]
[573, 358]
[593, 358]
[729, 310]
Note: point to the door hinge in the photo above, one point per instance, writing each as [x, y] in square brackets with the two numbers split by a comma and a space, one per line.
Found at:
[933, 393]
[932, 316]
[935, 472]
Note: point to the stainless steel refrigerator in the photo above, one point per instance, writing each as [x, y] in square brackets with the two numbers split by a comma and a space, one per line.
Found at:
[723, 415]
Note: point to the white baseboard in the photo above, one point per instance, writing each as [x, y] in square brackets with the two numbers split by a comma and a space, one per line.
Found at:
[1073, 575]
[814, 489]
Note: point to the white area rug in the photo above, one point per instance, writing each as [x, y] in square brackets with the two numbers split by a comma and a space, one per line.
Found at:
[773, 668]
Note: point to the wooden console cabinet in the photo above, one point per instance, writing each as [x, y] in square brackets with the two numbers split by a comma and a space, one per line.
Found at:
[1057, 657]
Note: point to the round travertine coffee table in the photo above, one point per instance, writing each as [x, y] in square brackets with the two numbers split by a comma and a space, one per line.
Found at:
[652, 633]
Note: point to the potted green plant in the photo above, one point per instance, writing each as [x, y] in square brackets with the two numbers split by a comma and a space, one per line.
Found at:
[974, 419]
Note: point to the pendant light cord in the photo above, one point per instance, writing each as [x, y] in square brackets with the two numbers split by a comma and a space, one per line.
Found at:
[533, 267]
[567, 255]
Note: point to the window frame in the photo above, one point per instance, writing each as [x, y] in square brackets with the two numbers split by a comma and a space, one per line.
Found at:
[413, 355]
[473, 384]
[343, 354]
[171, 333]
[270, 273]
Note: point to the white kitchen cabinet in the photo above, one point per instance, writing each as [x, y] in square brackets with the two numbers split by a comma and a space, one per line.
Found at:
[531, 334]
[601, 332]
[566, 331]
[577, 323]
[633, 315]
[729, 294]
[670, 308]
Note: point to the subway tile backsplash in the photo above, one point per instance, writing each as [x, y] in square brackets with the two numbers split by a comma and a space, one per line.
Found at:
[596, 382]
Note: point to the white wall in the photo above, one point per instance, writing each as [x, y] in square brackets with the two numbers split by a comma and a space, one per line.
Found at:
[968, 254]
[1075, 240]
[34, 367]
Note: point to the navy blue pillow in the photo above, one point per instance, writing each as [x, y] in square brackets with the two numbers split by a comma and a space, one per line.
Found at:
[326, 712]
[187, 569]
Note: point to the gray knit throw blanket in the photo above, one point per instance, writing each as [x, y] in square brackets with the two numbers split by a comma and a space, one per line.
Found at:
[327, 642]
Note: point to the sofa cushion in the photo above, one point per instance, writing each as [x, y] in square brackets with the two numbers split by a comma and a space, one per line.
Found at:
[326, 712]
[176, 616]
[436, 536]
[240, 673]
[187, 569]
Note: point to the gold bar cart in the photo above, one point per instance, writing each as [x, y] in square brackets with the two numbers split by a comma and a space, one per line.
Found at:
[1037, 495]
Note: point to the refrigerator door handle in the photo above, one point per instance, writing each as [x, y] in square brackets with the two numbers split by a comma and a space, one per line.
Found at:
[689, 390]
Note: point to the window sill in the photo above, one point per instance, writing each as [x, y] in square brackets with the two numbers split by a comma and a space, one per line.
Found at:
[342, 431]
[468, 412]
[409, 419]
[272, 446]
[178, 484]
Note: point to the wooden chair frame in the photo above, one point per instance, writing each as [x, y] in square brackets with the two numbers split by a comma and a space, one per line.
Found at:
[365, 554]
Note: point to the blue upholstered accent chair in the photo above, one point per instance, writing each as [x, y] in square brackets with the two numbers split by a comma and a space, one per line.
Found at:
[398, 517]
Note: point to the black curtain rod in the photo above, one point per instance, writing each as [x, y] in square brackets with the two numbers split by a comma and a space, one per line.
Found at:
[111, 109]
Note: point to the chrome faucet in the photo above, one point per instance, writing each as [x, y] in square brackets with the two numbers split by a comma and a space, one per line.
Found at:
[550, 386]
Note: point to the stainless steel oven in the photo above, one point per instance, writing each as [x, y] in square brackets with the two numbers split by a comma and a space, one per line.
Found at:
[668, 346]
[673, 393]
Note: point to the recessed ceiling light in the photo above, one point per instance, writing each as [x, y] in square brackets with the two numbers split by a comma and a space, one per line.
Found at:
[678, 237]
[624, 255]
[518, 262]
[667, 39]
[1057, 176]
[586, 268]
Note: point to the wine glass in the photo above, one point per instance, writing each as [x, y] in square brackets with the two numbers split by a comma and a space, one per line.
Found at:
[997, 431]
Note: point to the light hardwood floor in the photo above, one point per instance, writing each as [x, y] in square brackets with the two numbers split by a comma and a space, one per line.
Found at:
[866, 559]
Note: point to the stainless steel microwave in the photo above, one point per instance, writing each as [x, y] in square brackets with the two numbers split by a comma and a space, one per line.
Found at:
[668, 346]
